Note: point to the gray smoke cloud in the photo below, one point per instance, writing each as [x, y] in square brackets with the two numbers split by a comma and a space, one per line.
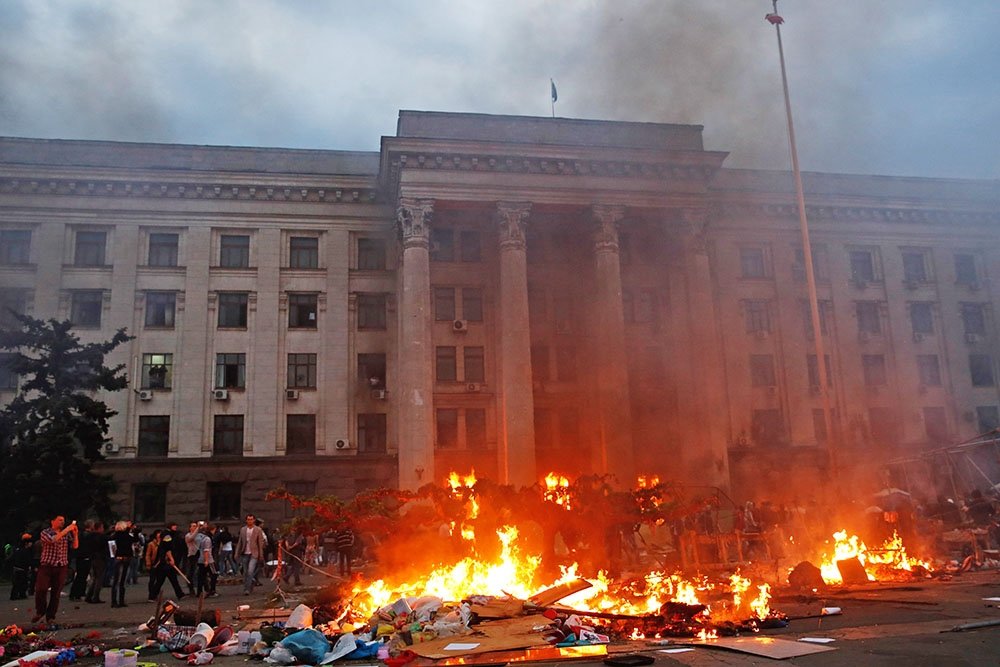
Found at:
[894, 87]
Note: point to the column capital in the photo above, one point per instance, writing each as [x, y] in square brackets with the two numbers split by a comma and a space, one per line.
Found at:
[512, 219]
[606, 218]
[413, 217]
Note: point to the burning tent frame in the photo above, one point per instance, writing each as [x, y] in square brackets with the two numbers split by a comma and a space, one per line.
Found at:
[964, 464]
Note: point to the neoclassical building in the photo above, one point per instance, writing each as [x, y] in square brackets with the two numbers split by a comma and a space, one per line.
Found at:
[512, 294]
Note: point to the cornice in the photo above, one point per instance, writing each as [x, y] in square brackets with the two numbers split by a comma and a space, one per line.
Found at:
[359, 193]
[854, 213]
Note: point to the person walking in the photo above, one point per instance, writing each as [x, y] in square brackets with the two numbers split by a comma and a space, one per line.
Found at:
[52, 567]
[345, 550]
[250, 547]
[21, 563]
[207, 574]
[191, 557]
[164, 568]
[138, 551]
[149, 557]
[294, 548]
[84, 556]
[227, 565]
[99, 555]
[122, 542]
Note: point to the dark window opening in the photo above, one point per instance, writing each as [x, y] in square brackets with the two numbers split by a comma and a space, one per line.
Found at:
[154, 435]
[227, 436]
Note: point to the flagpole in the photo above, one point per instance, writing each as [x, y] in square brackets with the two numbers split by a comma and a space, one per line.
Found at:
[831, 440]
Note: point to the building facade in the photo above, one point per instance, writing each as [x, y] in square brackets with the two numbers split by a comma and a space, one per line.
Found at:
[511, 294]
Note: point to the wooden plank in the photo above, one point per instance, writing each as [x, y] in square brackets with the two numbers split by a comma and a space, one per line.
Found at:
[551, 595]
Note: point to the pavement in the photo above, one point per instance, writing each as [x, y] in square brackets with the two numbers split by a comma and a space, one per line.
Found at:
[881, 624]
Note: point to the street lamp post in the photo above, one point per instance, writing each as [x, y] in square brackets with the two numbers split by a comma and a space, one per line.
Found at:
[776, 20]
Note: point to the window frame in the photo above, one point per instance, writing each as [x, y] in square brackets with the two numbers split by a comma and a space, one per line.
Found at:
[79, 300]
[306, 256]
[161, 310]
[233, 254]
[300, 306]
[298, 361]
[227, 363]
[149, 362]
[15, 247]
[222, 426]
[160, 253]
[304, 426]
[230, 303]
[152, 436]
[88, 251]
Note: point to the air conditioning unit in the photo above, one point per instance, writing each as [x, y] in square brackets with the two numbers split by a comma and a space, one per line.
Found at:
[917, 337]
[145, 394]
[292, 394]
[379, 394]
[342, 444]
[110, 448]
[220, 394]
[460, 326]
[474, 387]
[971, 338]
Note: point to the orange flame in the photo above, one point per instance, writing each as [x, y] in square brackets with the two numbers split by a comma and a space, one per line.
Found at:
[557, 490]
[885, 562]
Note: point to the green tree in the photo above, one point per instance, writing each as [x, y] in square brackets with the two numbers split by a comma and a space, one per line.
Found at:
[55, 428]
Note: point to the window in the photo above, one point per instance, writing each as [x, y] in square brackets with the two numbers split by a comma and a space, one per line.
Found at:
[539, 363]
[469, 245]
[562, 313]
[11, 302]
[537, 309]
[862, 266]
[302, 371]
[869, 321]
[757, 315]
[371, 312]
[988, 418]
[162, 249]
[545, 433]
[224, 501]
[371, 433]
[884, 425]
[915, 266]
[569, 427]
[444, 304]
[819, 423]
[762, 370]
[922, 317]
[8, 378]
[767, 428]
[475, 428]
[936, 424]
[303, 489]
[160, 308]
[472, 304]
[15, 246]
[372, 370]
[230, 370]
[303, 252]
[227, 439]
[813, 370]
[965, 269]
[89, 248]
[371, 254]
[929, 370]
[157, 371]
[566, 363]
[85, 309]
[974, 318]
[752, 264]
[442, 245]
[475, 364]
[233, 310]
[154, 435]
[818, 260]
[873, 366]
[981, 370]
[149, 503]
[447, 428]
[445, 364]
[234, 251]
[825, 315]
[302, 310]
[646, 306]
[300, 434]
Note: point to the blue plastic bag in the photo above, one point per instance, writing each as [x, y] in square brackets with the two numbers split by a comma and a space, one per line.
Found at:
[308, 646]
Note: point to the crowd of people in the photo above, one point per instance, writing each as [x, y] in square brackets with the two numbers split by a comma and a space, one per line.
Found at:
[92, 557]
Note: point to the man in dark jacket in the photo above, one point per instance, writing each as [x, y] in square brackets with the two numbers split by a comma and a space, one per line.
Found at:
[84, 556]
[97, 547]
[22, 561]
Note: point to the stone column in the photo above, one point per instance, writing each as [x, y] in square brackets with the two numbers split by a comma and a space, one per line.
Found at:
[416, 351]
[517, 410]
[702, 397]
[615, 454]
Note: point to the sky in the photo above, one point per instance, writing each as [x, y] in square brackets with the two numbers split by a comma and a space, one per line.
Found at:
[895, 87]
